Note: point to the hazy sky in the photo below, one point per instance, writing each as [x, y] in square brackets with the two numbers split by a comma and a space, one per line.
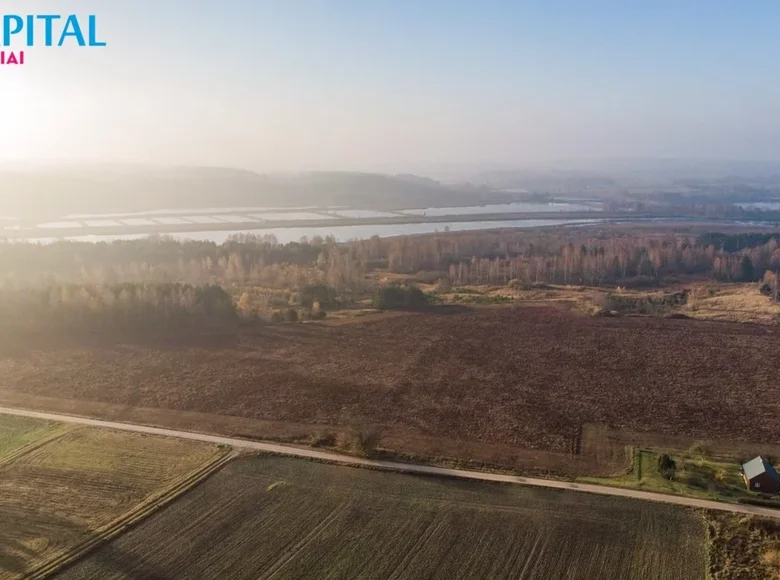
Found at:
[294, 84]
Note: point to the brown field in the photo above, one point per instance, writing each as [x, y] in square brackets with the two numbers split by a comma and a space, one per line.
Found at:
[58, 495]
[270, 517]
[496, 379]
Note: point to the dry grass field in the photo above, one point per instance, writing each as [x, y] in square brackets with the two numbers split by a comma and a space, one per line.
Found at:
[16, 432]
[743, 548]
[280, 518]
[732, 302]
[60, 494]
[510, 377]
[707, 300]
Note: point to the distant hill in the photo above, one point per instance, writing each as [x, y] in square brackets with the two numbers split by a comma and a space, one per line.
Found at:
[52, 192]
[671, 169]
[544, 179]
[628, 172]
[691, 180]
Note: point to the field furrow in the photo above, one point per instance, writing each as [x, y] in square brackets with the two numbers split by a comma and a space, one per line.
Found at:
[66, 489]
[290, 519]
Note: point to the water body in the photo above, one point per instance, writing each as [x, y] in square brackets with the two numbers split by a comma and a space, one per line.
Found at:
[50, 225]
[361, 213]
[201, 219]
[102, 223]
[770, 205]
[164, 217]
[232, 219]
[517, 207]
[291, 215]
[341, 233]
[764, 224]
[179, 212]
[305, 213]
[170, 221]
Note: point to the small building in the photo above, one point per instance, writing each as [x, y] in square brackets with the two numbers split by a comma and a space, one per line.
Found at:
[759, 475]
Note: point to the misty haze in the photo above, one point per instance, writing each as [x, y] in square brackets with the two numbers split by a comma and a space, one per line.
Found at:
[389, 290]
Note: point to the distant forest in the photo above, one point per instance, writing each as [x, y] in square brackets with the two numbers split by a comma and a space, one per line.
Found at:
[567, 256]
[159, 284]
[112, 308]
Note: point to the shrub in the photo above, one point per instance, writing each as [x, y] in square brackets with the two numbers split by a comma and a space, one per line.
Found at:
[429, 276]
[700, 449]
[358, 440]
[747, 272]
[366, 441]
[323, 439]
[637, 282]
[444, 285]
[483, 299]
[278, 301]
[695, 480]
[770, 285]
[601, 312]
[464, 290]
[645, 304]
[317, 314]
[666, 466]
[396, 297]
[325, 295]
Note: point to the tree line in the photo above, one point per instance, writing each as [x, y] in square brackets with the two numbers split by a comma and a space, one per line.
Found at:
[621, 262]
[592, 256]
[114, 308]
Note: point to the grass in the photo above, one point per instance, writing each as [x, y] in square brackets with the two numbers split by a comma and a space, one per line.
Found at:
[286, 518]
[477, 299]
[61, 494]
[16, 432]
[694, 477]
[732, 302]
[498, 294]
[709, 300]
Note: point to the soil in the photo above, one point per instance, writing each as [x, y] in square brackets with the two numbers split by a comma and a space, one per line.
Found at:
[508, 377]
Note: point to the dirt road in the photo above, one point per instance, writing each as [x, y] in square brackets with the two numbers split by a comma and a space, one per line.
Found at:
[402, 467]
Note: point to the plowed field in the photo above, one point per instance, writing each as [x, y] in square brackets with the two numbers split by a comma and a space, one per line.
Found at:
[286, 518]
[525, 377]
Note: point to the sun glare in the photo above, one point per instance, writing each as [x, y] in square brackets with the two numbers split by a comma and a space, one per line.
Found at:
[19, 124]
